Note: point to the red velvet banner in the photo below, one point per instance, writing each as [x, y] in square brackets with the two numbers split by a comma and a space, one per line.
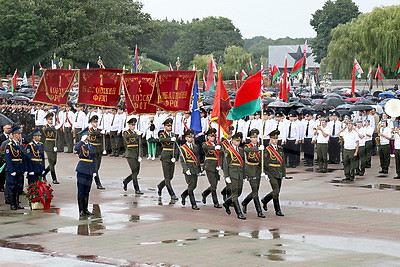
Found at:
[99, 87]
[138, 88]
[173, 90]
[54, 87]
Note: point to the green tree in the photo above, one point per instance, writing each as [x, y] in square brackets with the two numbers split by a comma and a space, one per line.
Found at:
[236, 59]
[324, 20]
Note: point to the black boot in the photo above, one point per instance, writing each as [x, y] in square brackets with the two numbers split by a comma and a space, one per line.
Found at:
[46, 171]
[224, 194]
[245, 202]
[17, 202]
[183, 197]
[238, 210]
[171, 192]
[98, 183]
[85, 207]
[260, 214]
[265, 201]
[277, 208]
[204, 195]
[54, 177]
[81, 203]
[193, 202]
[13, 206]
[160, 187]
[215, 200]
[227, 204]
[136, 187]
[125, 182]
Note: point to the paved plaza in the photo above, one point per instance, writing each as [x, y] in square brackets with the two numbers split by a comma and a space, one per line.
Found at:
[326, 223]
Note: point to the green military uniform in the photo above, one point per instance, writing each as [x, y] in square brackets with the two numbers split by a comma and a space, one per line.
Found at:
[210, 166]
[96, 140]
[226, 191]
[190, 160]
[275, 168]
[50, 139]
[131, 139]
[253, 173]
[168, 158]
[234, 170]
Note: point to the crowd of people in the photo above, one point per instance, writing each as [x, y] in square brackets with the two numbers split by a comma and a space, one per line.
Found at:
[279, 136]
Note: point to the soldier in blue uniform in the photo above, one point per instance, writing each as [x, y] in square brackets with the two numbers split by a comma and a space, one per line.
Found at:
[85, 171]
[35, 161]
[16, 167]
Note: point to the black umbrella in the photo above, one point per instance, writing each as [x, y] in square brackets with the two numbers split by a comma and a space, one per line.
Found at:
[5, 120]
[344, 106]
[361, 107]
[296, 104]
[317, 96]
[5, 95]
[20, 98]
[334, 101]
[306, 101]
[268, 100]
[278, 104]
[332, 95]
[319, 107]
[365, 102]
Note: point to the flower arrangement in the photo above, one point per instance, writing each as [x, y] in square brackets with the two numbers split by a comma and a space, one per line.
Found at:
[40, 192]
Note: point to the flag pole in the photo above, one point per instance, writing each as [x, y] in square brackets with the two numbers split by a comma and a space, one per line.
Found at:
[262, 123]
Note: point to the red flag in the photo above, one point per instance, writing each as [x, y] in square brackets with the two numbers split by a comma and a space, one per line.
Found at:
[138, 88]
[379, 73]
[210, 77]
[284, 84]
[397, 72]
[33, 77]
[353, 79]
[136, 60]
[14, 80]
[222, 106]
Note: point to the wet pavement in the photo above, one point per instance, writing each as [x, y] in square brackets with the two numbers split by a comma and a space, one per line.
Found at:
[327, 223]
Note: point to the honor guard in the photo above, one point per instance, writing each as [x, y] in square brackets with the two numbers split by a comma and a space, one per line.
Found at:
[253, 171]
[50, 135]
[190, 160]
[226, 143]
[85, 171]
[234, 174]
[35, 152]
[131, 138]
[16, 167]
[96, 140]
[211, 150]
[168, 154]
[275, 169]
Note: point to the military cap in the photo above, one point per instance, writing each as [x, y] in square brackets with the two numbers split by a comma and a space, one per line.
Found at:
[132, 121]
[168, 122]
[15, 129]
[231, 128]
[278, 114]
[307, 112]
[237, 136]
[268, 112]
[335, 113]
[293, 113]
[274, 134]
[95, 118]
[202, 110]
[36, 131]
[324, 119]
[189, 133]
[254, 132]
[346, 116]
[257, 113]
[49, 115]
[84, 131]
[211, 131]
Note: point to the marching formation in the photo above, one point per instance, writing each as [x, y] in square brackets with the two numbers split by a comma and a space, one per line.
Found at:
[260, 146]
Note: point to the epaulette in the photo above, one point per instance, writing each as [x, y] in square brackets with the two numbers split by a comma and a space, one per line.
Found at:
[31, 143]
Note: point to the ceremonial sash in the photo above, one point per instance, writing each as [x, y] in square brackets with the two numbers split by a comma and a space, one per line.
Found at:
[190, 152]
[226, 144]
[256, 153]
[271, 150]
[234, 151]
[213, 151]
[185, 124]
[70, 123]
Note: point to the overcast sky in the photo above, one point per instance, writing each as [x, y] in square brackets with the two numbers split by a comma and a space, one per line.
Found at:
[269, 18]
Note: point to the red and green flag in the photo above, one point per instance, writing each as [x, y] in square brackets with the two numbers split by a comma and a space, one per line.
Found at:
[14, 81]
[379, 73]
[397, 72]
[370, 77]
[298, 67]
[243, 75]
[248, 98]
[210, 85]
[275, 73]
[357, 71]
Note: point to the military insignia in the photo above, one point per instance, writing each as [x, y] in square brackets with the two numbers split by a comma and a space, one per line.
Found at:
[7, 150]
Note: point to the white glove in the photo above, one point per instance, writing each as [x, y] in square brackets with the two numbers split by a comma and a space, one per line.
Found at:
[139, 159]
[55, 149]
[173, 160]
[261, 147]
[103, 132]
[104, 152]
[138, 132]
[94, 175]
[264, 176]
[228, 180]
[217, 147]
[173, 139]
[13, 173]
[188, 172]
[25, 173]
[43, 172]
[83, 138]
[218, 168]
[31, 173]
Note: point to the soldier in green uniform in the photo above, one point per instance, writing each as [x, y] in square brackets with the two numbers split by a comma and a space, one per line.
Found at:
[50, 135]
[226, 143]
[96, 140]
[275, 168]
[167, 139]
[211, 167]
[234, 173]
[131, 138]
[190, 160]
[253, 171]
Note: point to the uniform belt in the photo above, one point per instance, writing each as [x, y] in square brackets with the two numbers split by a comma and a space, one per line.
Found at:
[36, 159]
[167, 149]
[253, 163]
[274, 165]
[192, 161]
[132, 145]
[87, 160]
[94, 144]
[50, 139]
[235, 164]
[211, 158]
[16, 159]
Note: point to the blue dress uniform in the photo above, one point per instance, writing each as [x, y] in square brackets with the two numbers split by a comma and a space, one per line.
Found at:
[85, 170]
[35, 163]
[15, 167]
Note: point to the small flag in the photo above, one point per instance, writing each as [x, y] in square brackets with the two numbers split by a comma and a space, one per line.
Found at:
[87, 66]
[136, 59]
[170, 67]
[211, 77]
[284, 95]
[69, 67]
[370, 77]
[298, 67]
[275, 73]
[14, 81]
[379, 73]
[25, 79]
[243, 75]
[397, 72]
[358, 68]
[195, 120]
[40, 66]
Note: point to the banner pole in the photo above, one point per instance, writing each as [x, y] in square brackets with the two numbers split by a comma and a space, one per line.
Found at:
[262, 123]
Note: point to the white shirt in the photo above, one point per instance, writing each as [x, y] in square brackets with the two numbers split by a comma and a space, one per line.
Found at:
[386, 131]
[350, 139]
[80, 120]
[396, 137]
[321, 139]
[368, 130]
[338, 127]
[39, 117]
[68, 119]
[292, 131]
[268, 127]
[310, 125]
[361, 131]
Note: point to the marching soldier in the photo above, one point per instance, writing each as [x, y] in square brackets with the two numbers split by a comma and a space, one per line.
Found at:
[191, 167]
[167, 139]
[211, 167]
[131, 138]
[50, 135]
[234, 173]
[14, 157]
[96, 140]
[85, 171]
[253, 171]
[275, 169]
[226, 143]
[35, 152]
